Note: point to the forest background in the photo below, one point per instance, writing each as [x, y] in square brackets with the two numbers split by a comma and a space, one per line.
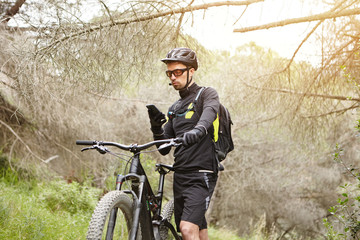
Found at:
[63, 78]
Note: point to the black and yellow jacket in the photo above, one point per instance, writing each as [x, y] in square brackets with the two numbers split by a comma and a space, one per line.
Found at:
[182, 117]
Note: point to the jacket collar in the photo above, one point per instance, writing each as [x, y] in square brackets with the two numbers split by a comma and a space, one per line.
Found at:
[186, 92]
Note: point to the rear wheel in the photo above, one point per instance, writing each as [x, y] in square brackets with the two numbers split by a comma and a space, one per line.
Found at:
[166, 213]
[113, 203]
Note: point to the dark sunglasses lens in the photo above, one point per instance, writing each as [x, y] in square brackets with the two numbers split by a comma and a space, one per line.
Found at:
[178, 72]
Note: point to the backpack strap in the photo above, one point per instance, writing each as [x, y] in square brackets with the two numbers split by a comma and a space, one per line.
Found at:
[191, 107]
[198, 95]
[193, 103]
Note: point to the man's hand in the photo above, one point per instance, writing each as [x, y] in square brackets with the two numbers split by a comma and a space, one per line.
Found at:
[157, 119]
[193, 136]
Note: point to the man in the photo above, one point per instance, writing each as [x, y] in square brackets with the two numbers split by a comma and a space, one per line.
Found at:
[195, 164]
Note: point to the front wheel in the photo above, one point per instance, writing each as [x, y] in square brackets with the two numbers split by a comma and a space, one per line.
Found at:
[101, 227]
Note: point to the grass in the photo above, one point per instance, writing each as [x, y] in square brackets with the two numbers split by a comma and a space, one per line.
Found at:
[25, 214]
[222, 234]
[28, 212]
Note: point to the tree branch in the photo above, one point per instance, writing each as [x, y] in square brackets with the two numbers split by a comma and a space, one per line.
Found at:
[5, 79]
[17, 136]
[333, 112]
[316, 17]
[342, 98]
[327, 63]
[150, 17]
[124, 99]
[310, 33]
[13, 10]
[302, 42]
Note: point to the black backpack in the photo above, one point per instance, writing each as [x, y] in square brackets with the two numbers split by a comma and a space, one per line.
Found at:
[222, 131]
[224, 143]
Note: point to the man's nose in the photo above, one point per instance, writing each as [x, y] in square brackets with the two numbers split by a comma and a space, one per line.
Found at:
[172, 77]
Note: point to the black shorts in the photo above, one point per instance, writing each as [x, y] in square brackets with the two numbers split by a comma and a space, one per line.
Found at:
[192, 194]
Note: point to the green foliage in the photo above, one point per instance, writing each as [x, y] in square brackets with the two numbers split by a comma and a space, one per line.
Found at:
[13, 177]
[347, 210]
[347, 214]
[72, 197]
[222, 234]
[30, 209]
[349, 77]
[23, 215]
[331, 233]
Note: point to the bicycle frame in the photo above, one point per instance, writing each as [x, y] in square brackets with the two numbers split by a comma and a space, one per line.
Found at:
[145, 201]
[145, 198]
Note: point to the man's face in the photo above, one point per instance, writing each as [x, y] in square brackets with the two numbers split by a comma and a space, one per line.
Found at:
[179, 82]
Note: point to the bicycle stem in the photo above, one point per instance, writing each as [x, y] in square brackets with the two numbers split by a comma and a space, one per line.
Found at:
[135, 164]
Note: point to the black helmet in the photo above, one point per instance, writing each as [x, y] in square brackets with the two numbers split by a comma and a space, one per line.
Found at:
[183, 55]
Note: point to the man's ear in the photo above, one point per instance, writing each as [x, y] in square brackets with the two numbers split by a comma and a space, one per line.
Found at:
[192, 71]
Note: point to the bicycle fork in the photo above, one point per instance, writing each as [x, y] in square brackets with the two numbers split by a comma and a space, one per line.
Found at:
[137, 203]
[138, 178]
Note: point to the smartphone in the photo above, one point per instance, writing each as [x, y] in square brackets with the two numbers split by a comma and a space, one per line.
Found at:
[154, 110]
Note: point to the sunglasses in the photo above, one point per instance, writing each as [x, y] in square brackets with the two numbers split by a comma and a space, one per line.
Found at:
[176, 72]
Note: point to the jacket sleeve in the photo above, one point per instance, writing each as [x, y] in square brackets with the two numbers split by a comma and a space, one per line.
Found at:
[210, 108]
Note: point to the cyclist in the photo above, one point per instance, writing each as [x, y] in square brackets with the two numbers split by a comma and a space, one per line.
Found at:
[195, 164]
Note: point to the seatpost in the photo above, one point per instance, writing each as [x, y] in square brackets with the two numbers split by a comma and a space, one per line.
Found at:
[162, 173]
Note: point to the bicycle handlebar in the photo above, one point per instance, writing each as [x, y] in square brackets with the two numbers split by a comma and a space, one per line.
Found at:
[85, 142]
[132, 147]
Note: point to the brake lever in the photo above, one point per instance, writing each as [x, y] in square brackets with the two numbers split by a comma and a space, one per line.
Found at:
[165, 145]
[100, 149]
[170, 144]
[87, 148]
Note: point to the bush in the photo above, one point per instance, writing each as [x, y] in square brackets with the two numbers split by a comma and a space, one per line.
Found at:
[72, 197]
[347, 210]
[54, 210]
[15, 174]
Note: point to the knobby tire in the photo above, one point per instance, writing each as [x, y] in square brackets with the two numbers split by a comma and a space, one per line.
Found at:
[166, 213]
[99, 221]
